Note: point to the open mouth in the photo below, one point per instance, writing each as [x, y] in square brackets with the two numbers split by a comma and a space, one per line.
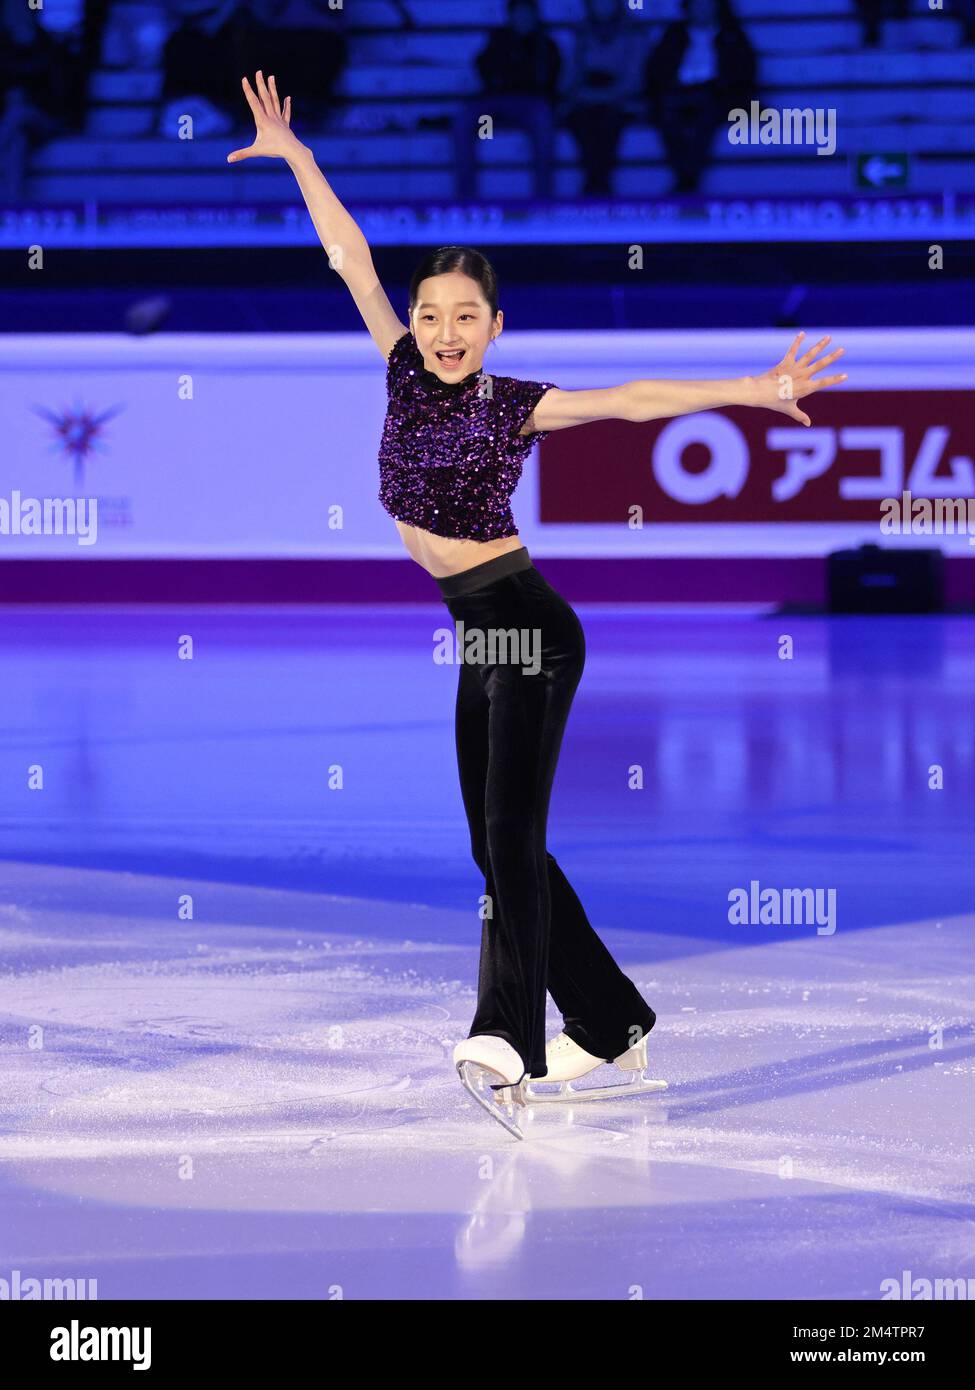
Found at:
[452, 359]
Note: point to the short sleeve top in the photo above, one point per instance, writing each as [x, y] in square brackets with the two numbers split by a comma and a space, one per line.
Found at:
[451, 455]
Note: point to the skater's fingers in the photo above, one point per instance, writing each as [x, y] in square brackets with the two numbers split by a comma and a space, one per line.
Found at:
[287, 110]
[790, 355]
[252, 101]
[234, 155]
[264, 94]
[828, 381]
[273, 94]
[826, 361]
[807, 357]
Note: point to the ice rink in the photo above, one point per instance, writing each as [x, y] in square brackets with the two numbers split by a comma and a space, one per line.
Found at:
[259, 1102]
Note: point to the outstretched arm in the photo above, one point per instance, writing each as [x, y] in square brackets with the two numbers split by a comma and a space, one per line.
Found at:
[348, 251]
[779, 389]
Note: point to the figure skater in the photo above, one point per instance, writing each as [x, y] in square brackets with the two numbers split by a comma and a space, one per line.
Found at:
[453, 444]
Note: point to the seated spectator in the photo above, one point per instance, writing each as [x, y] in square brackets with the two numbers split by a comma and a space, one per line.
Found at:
[603, 78]
[42, 90]
[519, 70]
[874, 12]
[702, 68]
[202, 65]
[303, 43]
[965, 11]
[217, 42]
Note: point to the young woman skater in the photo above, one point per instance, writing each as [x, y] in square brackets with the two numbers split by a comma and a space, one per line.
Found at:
[452, 449]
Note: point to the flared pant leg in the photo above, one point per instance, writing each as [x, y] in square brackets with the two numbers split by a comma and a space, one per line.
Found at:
[535, 935]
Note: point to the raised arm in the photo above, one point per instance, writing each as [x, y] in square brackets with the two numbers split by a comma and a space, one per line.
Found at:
[779, 389]
[348, 251]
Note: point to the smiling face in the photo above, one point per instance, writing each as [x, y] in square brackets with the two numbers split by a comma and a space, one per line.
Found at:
[451, 315]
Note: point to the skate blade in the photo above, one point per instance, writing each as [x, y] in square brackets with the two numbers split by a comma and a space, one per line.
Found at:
[573, 1090]
[499, 1104]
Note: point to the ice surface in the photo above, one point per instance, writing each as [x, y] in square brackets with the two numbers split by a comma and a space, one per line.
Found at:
[260, 1102]
[218, 1108]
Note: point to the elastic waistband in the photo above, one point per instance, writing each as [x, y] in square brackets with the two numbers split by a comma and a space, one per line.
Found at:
[452, 585]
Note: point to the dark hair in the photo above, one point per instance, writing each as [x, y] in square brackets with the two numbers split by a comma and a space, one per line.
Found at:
[462, 258]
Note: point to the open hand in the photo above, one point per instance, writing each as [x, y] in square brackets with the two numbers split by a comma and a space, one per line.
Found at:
[274, 137]
[792, 379]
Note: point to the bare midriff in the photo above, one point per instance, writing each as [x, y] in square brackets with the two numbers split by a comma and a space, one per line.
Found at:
[443, 555]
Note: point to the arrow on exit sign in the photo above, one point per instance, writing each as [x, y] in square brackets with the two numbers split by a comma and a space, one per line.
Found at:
[881, 170]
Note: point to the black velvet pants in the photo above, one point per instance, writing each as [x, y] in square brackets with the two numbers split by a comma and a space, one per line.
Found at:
[510, 718]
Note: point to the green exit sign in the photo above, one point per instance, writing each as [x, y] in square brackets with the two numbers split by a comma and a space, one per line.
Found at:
[881, 171]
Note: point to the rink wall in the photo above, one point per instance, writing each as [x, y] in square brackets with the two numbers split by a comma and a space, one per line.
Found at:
[243, 468]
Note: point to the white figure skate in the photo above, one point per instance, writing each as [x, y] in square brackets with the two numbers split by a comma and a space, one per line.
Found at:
[494, 1074]
[567, 1062]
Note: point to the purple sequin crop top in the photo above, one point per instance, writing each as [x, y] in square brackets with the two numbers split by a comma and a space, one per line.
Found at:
[451, 454]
